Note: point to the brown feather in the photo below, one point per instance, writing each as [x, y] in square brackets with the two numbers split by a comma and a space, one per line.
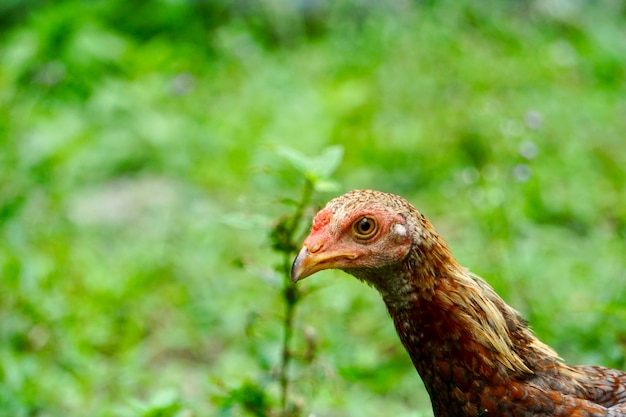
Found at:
[475, 354]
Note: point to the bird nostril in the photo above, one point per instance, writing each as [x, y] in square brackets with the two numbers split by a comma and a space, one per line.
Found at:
[315, 247]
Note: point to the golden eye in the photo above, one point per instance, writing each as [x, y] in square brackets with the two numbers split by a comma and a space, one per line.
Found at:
[365, 227]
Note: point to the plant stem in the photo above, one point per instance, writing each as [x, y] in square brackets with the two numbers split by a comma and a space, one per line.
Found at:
[290, 303]
[291, 297]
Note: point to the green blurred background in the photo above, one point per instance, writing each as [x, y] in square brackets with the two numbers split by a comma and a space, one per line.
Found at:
[141, 173]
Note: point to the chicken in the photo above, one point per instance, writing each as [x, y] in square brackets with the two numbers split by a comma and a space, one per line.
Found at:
[475, 354]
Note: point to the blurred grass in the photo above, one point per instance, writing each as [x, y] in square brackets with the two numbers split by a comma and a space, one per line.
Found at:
[139, 178]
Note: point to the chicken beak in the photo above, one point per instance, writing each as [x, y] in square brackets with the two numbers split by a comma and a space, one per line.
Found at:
[305, 264]
[309, 262]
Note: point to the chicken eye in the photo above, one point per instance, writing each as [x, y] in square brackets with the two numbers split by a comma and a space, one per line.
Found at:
[365, 227]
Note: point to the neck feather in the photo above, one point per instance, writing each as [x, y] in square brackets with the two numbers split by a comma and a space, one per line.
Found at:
[453, 325]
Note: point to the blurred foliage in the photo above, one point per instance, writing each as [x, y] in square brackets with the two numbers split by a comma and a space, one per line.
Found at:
[147, 149]
[285, 240]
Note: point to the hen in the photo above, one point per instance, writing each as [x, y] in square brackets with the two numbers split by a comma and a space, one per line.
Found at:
[475, 354]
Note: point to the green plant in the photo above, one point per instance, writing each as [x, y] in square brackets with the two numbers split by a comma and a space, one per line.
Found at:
[286, 235]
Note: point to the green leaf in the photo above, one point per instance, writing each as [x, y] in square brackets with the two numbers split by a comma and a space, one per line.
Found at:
[329, 160]
[297, 159]
[316, 168]
[326, 185]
